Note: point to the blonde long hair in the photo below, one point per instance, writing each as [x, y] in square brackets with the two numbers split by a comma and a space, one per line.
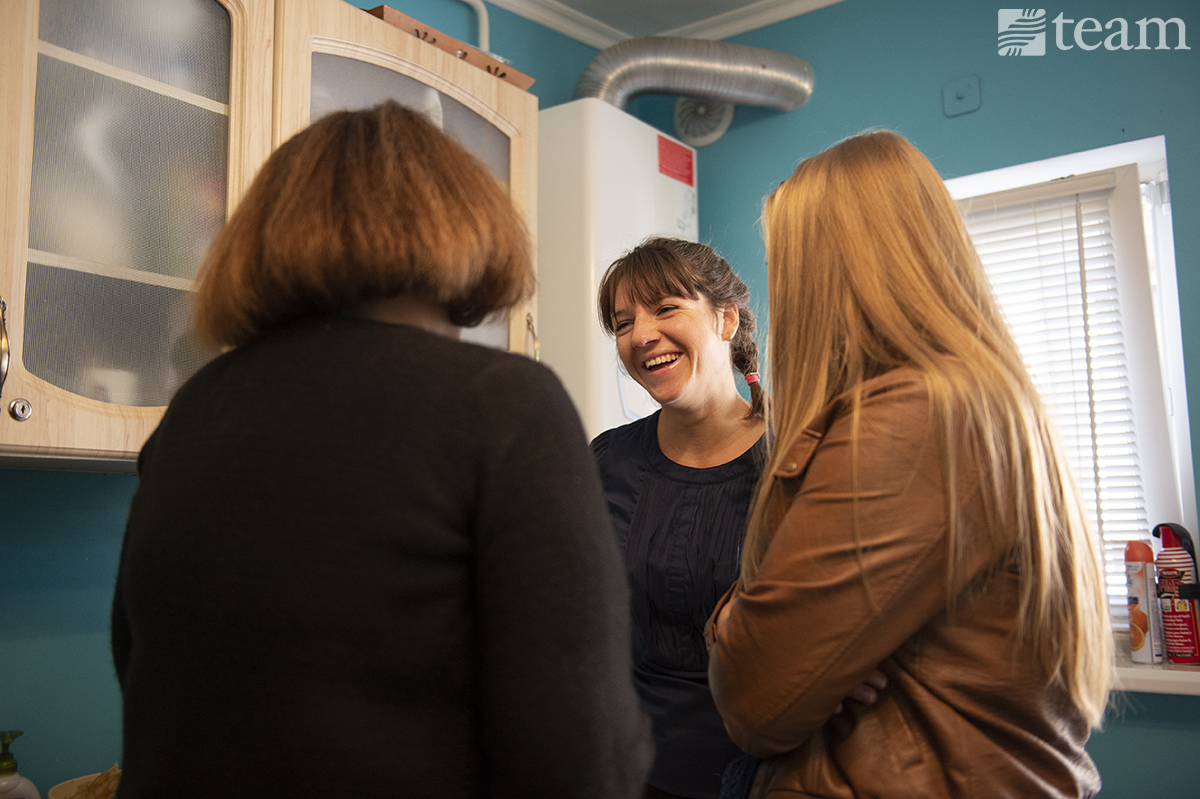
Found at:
[870, 267]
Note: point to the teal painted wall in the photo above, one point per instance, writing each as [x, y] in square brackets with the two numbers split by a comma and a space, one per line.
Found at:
[60, 533]
[877, 63]
[880, 63]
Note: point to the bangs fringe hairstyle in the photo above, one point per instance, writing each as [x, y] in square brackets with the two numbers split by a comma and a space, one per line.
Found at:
[359, 206]
[870, 267]
[667, 267]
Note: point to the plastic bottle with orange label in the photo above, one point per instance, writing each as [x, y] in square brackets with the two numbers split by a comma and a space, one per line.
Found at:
[1145, 618]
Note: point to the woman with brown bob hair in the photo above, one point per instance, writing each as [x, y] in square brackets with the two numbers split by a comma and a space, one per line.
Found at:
[365, 558]
[916, 512]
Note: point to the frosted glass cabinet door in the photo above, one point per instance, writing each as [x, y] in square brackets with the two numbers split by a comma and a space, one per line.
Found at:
[130, 149]
[340, 83]
[126, 155]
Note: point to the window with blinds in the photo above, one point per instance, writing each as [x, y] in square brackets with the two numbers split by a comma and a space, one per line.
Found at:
[1063, 260]
[1065, 315]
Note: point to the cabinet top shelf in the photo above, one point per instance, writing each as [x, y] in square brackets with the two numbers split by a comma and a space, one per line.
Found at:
[118, 272]
[132, 78]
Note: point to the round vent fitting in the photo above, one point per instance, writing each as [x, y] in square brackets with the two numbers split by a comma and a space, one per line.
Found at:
[699, 123]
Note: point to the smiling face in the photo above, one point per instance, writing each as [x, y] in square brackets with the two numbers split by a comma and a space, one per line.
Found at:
[677, 348]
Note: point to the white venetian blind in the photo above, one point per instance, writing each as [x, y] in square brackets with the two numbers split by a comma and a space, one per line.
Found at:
[1049, 255]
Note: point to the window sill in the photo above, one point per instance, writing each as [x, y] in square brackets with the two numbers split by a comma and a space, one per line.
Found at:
[1156, 678]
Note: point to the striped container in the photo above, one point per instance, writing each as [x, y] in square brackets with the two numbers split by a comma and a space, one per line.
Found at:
[1176, 589]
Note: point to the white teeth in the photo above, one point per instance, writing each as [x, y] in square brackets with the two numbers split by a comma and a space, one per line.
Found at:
[661, 359]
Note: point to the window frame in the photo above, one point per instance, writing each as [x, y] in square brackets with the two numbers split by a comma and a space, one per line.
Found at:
[1144, 250]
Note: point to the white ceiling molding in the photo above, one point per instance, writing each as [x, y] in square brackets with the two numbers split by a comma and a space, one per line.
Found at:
[748, 18]
[590, 31]
[565, 20]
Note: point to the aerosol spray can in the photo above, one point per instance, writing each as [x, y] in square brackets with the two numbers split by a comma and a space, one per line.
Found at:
[1145, 618]
[1178, 593]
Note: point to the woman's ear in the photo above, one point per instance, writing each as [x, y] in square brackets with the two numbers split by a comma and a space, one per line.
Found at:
[729, 322]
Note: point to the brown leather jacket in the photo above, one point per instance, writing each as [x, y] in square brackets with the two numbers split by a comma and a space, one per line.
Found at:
[967, 712]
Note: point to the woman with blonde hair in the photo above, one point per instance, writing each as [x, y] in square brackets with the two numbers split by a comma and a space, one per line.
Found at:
[679, 485]
[365, 558]
[916, 513]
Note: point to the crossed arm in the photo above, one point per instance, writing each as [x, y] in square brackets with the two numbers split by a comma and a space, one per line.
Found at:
[829, 605]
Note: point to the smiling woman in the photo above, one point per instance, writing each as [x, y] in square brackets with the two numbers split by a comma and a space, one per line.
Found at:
[679, 484]
[682, 323]
[677, 348]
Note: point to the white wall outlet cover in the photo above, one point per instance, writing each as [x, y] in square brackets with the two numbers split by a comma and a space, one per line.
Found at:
[961, 96]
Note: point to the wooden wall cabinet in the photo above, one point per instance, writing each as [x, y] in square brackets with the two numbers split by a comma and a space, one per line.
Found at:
[139, 129]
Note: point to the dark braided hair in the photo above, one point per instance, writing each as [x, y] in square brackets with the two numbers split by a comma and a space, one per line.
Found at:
[661, 267]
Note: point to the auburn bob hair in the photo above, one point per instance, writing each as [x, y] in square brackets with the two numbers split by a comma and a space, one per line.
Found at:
[360, 206]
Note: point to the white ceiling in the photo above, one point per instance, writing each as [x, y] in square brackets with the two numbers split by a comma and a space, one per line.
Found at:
[602, 23]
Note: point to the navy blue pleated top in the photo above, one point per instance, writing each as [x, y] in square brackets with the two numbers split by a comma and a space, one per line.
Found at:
[680, 530]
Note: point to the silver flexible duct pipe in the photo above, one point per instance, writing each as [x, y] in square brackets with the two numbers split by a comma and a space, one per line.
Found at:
[731, 73]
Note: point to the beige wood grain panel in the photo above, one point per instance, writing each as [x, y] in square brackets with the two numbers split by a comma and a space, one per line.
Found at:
[18, 68]
[303, 27]
[67, 425]
[250, 99]
[18, 71]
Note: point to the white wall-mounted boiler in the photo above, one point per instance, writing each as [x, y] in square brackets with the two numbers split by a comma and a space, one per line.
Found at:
[606, 181]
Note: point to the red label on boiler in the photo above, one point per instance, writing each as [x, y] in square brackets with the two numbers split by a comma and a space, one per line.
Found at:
[676, 161]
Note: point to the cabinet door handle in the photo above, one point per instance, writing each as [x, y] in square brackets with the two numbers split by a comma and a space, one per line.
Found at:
[537, 345]
[3, 344]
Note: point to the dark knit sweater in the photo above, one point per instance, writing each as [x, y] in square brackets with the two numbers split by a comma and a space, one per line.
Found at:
[680, 530]
[365, 560]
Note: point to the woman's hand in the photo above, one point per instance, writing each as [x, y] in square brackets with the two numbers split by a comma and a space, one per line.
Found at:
[724, 614]
[866, 692]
